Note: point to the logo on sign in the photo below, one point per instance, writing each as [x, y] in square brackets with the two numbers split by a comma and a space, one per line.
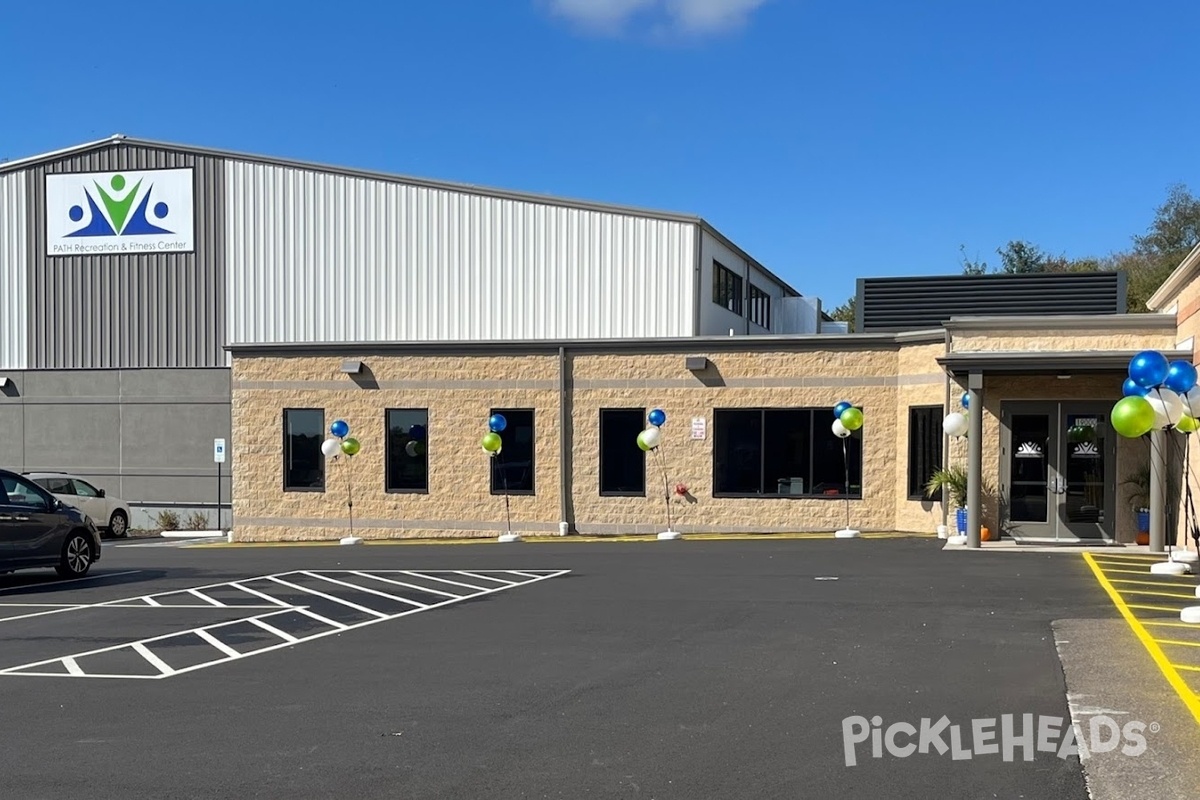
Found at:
[1029, 450]
[119, 212]
[1087, 450]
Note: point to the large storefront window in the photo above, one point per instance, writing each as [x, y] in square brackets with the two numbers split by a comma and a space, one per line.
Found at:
[303, 463]
[407, 450]
[512, 470]
[790, 452]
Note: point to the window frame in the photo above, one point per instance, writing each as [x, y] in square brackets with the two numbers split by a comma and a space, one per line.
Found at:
[600, 453]
[387, 451]
[287, 450]
[808, 494]
[734, 281]
[47, 497]
[500, 490]
[935, 411]
[76, 483]
[759, 299]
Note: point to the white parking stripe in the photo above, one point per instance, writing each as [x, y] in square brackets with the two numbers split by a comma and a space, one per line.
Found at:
[347, 603]
[485, 577]
[319, 618]
[443, 580]
[46, 668]
[406, 585]
[358, 588]
[267, 597]
[205, 597]
[217, 643]
[273, 630]
[154, 660]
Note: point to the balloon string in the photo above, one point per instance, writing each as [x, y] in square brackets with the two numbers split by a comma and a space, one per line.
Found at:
[350, 494]
[846, 464]
[662, 461]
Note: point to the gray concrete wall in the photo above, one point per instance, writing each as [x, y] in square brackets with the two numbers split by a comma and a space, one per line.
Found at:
[144, 435]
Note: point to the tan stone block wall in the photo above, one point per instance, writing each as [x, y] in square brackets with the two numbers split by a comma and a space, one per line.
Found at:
[813, 380]
[459, 501]
[1052, 341]
[925, 514]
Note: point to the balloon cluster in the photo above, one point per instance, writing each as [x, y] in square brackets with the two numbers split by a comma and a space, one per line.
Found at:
[1159, 395]
[340, 442]
[956, 423]
[847, 419]
[492, 443]
[652, 436]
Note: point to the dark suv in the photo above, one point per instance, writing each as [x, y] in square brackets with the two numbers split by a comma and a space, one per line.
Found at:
[38, 530]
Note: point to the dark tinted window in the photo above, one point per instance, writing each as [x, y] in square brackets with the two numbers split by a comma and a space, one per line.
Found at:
[407, 450]
[512, 470]
[303, 462]
[783, 452]
[622, 462]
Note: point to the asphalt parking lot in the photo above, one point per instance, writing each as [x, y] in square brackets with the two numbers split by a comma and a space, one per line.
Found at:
[678, 669]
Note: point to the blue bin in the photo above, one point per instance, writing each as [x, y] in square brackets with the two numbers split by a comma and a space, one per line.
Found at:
[1143, 521]
[961, 516]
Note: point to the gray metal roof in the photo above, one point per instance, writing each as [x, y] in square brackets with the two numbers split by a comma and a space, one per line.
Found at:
[466, 188]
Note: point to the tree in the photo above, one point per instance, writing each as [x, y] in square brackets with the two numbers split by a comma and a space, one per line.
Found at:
[845, 313]
[1172, 234]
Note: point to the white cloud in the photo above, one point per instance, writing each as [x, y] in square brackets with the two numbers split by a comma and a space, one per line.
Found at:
[687, 16]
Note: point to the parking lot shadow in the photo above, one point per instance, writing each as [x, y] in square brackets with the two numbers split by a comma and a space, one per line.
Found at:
[36, 583]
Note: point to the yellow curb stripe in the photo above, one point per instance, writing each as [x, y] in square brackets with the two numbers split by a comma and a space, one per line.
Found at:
[1130, 557]
[1189, 697]
[1161, 624]
[1170, 609]
[1176, 641]
[1159, 594]
[1159, 584]
[1130, 571]
[1186, 667]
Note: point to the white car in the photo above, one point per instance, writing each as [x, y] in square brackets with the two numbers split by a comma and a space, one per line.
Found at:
[109, 514]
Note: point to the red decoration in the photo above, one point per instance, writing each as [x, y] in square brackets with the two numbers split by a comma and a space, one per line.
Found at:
[681, 489]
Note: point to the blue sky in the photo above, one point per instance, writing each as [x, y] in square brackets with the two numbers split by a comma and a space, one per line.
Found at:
[831, 140]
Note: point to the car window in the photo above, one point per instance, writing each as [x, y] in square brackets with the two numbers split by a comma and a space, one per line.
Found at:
[55, 485]
[23, 493]
[84, 489]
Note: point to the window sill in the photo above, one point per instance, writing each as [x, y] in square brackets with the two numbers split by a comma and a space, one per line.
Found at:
[308, 489]
[513, 493]
[406, 491]
[623, 494]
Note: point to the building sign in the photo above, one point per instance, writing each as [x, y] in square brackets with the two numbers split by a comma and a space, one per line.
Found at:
[218, 451]
[699, 428]
[119, 213]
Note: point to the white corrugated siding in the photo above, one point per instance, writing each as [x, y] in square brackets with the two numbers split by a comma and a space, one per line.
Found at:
[324, 257]
[14, 265]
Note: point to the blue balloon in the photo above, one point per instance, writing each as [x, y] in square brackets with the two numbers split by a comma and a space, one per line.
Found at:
[417, 433]
[340, 429]
[658, 417]
[966, 399]
[1148, 369]
[1181, 377]
[1131, 389]
[497, 423]
[840, 407]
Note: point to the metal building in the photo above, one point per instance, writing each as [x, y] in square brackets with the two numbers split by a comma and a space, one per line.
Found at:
[127, 266]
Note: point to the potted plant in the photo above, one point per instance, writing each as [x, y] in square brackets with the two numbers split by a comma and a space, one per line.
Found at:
[1137, 488]
[953, 481]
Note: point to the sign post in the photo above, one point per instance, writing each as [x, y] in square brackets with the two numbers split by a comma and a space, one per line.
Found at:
[219, 459]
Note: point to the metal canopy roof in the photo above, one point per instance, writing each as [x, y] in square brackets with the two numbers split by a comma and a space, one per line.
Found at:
[1045, 363]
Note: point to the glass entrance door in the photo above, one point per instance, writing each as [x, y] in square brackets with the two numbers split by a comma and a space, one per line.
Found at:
[1057, 472]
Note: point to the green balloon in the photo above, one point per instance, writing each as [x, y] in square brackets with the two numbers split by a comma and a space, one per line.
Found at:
[351, 447]
[852, 419]
[1133, 417]
[641, 440]
[491, 442]
[1187, 424]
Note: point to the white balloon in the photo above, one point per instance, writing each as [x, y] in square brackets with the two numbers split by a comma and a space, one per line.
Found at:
[331, 448]
[652, 436]
[839, 430]
[1173, 404]
[1161, 418]
[955, 424]
[1191, 402]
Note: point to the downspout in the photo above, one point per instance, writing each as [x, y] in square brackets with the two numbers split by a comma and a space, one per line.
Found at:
[946, 436]
[564, 447]
[746, 295]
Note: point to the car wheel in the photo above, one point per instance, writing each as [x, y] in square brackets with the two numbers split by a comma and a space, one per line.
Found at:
[76, 557]
[118, 525]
